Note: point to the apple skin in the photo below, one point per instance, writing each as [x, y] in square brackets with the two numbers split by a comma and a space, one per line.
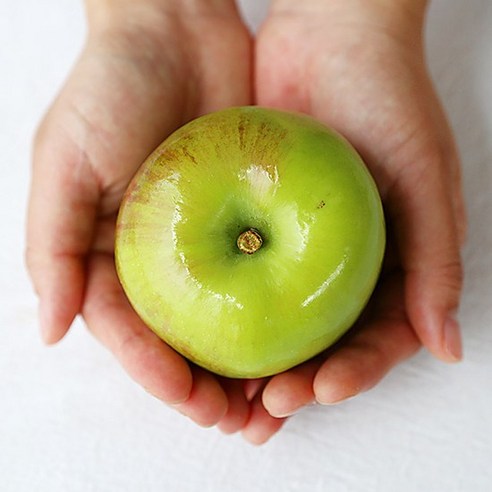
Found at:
[303, 188]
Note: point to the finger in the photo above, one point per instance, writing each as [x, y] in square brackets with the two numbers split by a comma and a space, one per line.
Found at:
[238, 407]
[369, 354]
[253, 386]
[261, 426]
[59, 229]
[286, 393]
[423, 213]
[146, 358]
[207, 403]
[362, 363]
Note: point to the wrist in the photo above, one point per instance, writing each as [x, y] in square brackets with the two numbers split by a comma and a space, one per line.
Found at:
[407, 14]
[108, 13]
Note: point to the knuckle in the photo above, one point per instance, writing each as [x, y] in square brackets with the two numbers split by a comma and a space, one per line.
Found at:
[451, 275]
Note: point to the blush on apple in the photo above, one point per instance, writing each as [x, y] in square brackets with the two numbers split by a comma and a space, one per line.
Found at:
[250, 240]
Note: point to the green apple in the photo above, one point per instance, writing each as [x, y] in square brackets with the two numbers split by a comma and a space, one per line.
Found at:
[250, 240]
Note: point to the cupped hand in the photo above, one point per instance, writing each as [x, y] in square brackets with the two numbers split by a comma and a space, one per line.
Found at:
[358, 66]
[147, 68]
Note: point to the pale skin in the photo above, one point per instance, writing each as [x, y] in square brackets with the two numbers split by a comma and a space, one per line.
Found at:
[150, 66]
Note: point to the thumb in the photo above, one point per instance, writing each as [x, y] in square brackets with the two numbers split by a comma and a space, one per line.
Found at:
[61, 213]
[422, 211]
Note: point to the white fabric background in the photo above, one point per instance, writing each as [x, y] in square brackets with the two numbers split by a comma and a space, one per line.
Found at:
[71, 420]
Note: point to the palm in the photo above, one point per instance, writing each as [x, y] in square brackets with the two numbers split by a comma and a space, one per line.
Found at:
[372, 87]
[368, 84]
[152, 363]
[126, 94]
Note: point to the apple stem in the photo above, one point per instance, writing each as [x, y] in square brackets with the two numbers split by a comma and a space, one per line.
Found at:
[249, 241]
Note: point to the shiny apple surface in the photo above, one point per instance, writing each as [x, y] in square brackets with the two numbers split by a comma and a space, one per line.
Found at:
[296, 184]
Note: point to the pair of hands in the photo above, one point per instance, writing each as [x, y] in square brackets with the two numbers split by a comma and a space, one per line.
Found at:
[150, 66]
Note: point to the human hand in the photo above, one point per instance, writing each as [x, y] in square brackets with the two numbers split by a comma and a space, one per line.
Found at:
[358, 66]
[147, 68]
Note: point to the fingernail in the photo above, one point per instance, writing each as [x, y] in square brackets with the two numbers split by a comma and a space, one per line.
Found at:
[292, 411]
[452, 339]
[335, 400]
[284, 415]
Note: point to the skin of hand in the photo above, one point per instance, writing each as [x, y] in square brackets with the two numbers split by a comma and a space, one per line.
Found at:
[150, 66]
[359, 67]
[146, 69]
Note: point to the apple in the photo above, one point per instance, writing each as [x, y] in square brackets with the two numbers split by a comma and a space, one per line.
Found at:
[250, 240]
